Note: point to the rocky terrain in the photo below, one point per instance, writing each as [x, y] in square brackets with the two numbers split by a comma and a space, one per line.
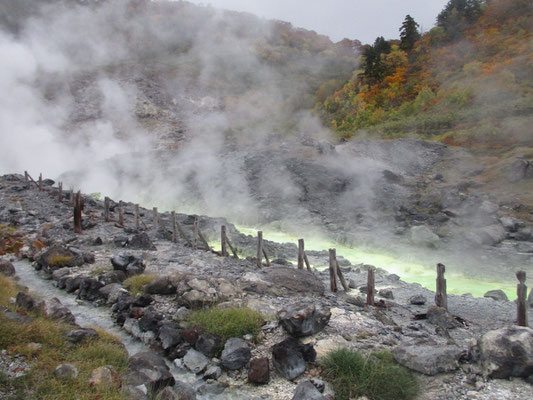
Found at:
[469, 353]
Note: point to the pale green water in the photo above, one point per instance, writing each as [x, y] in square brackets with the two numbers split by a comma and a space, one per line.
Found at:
[407, 270]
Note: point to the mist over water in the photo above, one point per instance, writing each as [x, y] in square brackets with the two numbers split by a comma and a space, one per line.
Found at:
[190, 109]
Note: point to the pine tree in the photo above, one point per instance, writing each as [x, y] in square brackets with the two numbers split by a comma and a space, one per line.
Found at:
[409, 34]
[374, 67]
[459, 15]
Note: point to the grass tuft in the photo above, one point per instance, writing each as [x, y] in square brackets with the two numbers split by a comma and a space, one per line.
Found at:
[59, 261]
[227, 323]
[136, 284]
[376, 376]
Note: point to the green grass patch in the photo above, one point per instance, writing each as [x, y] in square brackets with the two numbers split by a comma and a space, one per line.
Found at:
[229, 322]
[39, 382]
[100, 271]
[376, 376]
[59, 261]
[136, 284]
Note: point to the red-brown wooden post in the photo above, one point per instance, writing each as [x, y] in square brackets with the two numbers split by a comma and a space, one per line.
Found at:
[156, 219]
[441, 298]
[107, 202]
[521, 291]
[137, 217]
[332, 270]
[195, 233]
[301, 254]
[40, 182]
[60, 192]
[78, 207]
[223, 240]
[259, 249]
[120, 213]
[26, 179]
[370, 287]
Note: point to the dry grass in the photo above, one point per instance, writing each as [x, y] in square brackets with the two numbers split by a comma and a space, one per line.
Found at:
[136, 284]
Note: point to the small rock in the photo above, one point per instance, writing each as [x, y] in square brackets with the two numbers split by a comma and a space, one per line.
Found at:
[307, 391]
[236, 354]
[78, 335]
[417, 300]
[423, 236]
[386, 293]
[208, 344]
[213, 372]
[141, 241]
[27, 302]
[160, 285]
[195, 361]
[498, 295]
[289, 357]
[438, 316]
[259, 371]
[104, 377]
[7, 268]
[66, 371]
[427, 357]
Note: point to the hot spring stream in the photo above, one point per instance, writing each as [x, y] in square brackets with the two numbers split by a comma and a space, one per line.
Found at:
[87, 315]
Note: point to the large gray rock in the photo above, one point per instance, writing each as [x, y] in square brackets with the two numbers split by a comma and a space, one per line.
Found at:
[307, 391]
[141, 241]
[7, 268]
[438, 316]
[170, 335]
[423, 236]
[517, 170]
[195, 361]
[81, 334]
[304, 319]
[507, 352]
[149, 369]
[208, 344]
[127, 263]
[160, 285]
[236, 354]
[259, 371]
[282, 280]
[427, 357]
[55, 310]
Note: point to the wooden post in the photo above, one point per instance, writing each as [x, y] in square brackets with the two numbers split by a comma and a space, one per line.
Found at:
[300, 254]
[307, 262]
[441, 298]
[521, 291]
[231, 247]
[106, 209]
[26, 179]
[137, 217]
[202, 239]
[341, 277]
[370, 287]
[223, 240]
[195, 233]
[266, 257]
[332, 267]
[259, 249]
[40, 182]
[174, 230]
[71, 196]
[156, 219]
[78, 207]
[60, 192]
[120, 213]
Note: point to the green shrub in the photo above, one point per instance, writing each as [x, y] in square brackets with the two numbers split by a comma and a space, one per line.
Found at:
[227, 323]
[376, 376]
[136, 284]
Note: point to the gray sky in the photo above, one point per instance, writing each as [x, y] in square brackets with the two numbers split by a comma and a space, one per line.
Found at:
[355, 19]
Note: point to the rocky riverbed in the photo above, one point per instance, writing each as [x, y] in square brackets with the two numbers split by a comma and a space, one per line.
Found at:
[304, 319]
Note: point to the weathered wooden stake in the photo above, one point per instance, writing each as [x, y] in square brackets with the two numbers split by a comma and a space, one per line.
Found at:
[120, 213]
[341, 277]
[156, 219]
[266, 257]
[300, 254]
[332, 268]
[107, 201]
[259, 249]
[521, 291]
[223, 240]
[78, 207]
[26, 176]
[307, 262]
[370, 287]
[230, 246]
[60, 192]
[137, 217]
[202, 239]
[195, 233]
[71, 196]
[40, 182]
[174, 229]
[441, 298]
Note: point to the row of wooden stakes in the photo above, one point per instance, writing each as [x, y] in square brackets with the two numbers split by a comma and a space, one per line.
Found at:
[441, 297]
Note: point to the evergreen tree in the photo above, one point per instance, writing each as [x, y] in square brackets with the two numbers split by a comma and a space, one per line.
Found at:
[374, 67]
[459, 15]
[409, 34]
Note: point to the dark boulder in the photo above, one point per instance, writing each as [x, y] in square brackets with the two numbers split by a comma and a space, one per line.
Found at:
[55, 310]
[208, 344]
[169, 335]
[141, 241]
[304, 319]
[160, 285]
[149, 369]
[79, 335]
[90, 289]
[150, 321]
[7, 268]
[289, 357]
[236, 354]
[498, 295]
[307, 391]
[127, 263]
[439, 317]
[27, 302]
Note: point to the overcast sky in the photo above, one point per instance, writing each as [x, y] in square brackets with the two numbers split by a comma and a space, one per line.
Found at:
[355, 19]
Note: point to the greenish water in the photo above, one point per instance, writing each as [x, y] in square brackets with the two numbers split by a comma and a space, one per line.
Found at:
[407, 270]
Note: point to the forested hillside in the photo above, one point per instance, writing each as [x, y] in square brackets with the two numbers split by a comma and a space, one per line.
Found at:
[468, 81]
